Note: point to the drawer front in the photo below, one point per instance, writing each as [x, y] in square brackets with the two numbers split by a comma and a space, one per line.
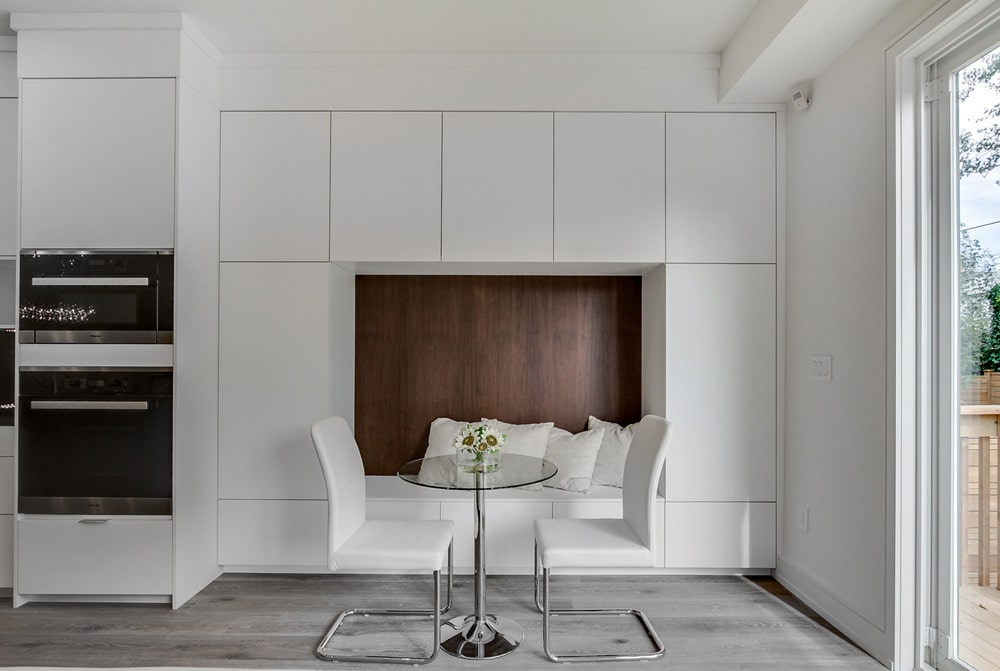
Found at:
[6, 485]
[272, 533]
[6, 551]
[63, 555]
[403, 510]
[724, 535]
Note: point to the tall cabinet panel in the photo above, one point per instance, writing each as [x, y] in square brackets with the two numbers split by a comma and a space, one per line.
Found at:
[385, 194]
[609, 187]
[497, 186]
[274, 378]
[8, 178]
[721, 382]
[275, 187]
[97, 163]
[720, 182]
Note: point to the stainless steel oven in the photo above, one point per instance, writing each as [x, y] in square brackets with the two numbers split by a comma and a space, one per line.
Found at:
[95, 441]
[96, 297]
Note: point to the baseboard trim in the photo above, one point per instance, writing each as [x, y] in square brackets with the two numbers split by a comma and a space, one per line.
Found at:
[832, 609]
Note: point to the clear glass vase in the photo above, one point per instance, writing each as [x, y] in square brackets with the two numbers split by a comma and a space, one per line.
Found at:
[474, 461]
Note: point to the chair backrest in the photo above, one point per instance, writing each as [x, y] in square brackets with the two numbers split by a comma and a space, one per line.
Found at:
[345, 478]
[643, 465]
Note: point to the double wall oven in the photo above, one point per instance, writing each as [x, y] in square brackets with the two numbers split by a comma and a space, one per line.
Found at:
[96, 297]
[94, 439]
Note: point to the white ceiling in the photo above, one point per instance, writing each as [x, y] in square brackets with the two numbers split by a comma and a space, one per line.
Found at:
[765, 45]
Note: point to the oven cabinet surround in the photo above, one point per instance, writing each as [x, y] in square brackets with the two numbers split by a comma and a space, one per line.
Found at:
[8, 177]
[98, 163]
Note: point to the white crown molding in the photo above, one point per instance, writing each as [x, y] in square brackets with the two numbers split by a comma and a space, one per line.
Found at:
[95, 21]
[198, 38]
[396, 60]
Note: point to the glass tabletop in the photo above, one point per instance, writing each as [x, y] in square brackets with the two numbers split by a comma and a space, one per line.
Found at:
[516, 470]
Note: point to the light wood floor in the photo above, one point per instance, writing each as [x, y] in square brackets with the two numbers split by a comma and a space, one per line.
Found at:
[979, 627]
[717, 622]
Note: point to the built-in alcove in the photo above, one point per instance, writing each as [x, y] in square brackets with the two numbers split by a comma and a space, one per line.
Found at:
[516, 348]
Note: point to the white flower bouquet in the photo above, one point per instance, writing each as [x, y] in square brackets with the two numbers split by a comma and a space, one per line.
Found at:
[478, 447]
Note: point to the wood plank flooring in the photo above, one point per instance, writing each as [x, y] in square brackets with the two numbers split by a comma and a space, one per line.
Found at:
[979, 627]
[269, 621]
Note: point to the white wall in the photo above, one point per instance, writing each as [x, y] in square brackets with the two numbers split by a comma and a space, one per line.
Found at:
[836, 453]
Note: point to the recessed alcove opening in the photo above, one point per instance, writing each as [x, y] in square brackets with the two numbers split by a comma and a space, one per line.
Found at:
[517, 348]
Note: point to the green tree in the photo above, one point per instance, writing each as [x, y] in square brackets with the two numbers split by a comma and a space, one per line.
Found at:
[979, 148]
[977, 311]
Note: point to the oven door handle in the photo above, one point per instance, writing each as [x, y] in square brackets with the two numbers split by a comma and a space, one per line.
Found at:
[89, 405]
[90, 281]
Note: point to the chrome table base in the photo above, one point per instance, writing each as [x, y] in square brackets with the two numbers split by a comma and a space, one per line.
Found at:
[468, 637]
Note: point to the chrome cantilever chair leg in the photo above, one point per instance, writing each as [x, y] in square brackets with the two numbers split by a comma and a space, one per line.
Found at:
[542, 602]
[435, 614]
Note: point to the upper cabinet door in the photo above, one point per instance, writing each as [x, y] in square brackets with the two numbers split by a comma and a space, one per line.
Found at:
[609, 187]
[275, 199]
[385, 194]
[8, 177]
[497, 186]
[721, 188]
[97, 163]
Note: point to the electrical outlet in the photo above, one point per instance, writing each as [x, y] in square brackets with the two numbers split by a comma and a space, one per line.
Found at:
[804, 520]
[821, 368]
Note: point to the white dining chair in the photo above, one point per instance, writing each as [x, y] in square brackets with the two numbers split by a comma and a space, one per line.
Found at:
[356, 543]
[607, 543]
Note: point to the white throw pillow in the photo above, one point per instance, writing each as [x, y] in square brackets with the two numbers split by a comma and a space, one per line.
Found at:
[575, 456]
[527, 439]
[441, 441]
[610, 466]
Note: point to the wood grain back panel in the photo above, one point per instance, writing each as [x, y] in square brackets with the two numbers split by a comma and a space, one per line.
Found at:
[520, 349]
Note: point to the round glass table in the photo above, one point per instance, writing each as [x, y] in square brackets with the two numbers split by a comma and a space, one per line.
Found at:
[479, 635]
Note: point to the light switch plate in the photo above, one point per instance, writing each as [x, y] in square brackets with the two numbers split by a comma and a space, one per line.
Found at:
[821, 368]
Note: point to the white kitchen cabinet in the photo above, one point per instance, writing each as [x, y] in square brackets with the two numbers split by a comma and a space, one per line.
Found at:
[97, 163]
[721, 382]
[6, 485]
[510, 534]
[720, 535]
[721, 189]
[61, 554]
[273, 533]
[275, 186]
[385, 186]
[402, 510]
[496, 186]
[8, 177]
[274, 378]
[6, 551]
[609, 187]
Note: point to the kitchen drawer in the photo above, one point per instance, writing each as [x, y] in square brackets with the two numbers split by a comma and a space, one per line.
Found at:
[6, 551]
[723, 534]
[6, 485]
[87, 555]
[272, 533]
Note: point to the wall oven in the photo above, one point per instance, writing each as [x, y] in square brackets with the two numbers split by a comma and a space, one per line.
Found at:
[96, 297]
[95, 441]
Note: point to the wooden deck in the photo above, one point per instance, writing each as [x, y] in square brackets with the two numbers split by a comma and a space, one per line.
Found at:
[979, 627]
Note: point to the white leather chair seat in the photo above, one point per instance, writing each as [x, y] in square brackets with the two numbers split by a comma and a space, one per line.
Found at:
[396, 545]
[593, 543]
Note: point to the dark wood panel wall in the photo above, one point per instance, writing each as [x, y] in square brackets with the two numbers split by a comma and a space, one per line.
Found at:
[519, 349]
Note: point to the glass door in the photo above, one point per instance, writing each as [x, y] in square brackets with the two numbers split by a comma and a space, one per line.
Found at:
[964, 86]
